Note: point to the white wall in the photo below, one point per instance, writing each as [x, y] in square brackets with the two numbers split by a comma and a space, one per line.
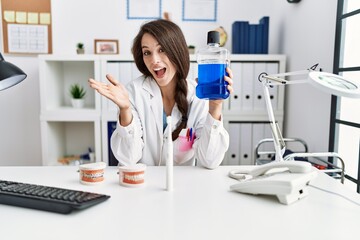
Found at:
[309, 38]
[304, 32]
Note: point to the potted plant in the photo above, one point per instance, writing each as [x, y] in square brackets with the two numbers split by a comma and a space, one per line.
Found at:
[77, 93]
[80, 48]
[191, 49]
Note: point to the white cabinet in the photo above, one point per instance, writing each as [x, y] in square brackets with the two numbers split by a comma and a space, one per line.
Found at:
[68, 131]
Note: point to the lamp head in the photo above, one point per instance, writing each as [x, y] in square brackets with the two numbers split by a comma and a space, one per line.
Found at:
[10, 74]
[335, 84]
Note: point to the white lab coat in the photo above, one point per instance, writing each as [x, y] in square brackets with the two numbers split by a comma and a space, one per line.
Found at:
[144, 140]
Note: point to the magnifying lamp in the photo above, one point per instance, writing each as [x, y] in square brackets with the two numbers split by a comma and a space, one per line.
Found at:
[10, 74]
[328, 82]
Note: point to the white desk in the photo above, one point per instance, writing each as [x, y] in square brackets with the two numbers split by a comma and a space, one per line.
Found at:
[200, 207]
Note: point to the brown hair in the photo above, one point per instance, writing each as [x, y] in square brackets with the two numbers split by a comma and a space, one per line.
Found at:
[172, 41]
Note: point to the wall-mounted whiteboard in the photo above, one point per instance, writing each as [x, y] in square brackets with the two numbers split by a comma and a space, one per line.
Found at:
[199, 10]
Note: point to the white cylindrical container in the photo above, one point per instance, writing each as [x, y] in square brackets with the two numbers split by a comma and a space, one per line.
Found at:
[169, 157]
[92, 173]
[132, 176]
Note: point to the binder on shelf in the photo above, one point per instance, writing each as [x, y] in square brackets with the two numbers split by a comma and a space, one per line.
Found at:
[259, 46]
[240, 32]
[247, 87]
[235, 37]
[259, 100]
[250, 38]
[272, 68]
[268, 134]
[258, 132]
[126, 72]
[236, 97]
[245, 35]
[246, 146]
[244, 137]
[264, 22]
[234, 147]
[111, 128]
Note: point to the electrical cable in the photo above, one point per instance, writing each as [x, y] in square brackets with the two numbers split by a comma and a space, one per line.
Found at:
[334, 193]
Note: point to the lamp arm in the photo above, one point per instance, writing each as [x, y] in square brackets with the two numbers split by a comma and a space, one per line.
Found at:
[279, 143]
[279, 78]
[275, 79]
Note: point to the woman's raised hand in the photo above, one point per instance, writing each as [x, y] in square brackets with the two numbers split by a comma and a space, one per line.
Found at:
[114, 91]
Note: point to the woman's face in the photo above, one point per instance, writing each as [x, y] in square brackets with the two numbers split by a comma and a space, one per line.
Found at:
[157, 61]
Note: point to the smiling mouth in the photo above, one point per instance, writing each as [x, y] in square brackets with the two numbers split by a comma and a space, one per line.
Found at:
[159, 72]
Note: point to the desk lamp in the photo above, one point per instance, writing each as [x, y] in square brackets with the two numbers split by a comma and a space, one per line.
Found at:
[331, 83]
[10, 74]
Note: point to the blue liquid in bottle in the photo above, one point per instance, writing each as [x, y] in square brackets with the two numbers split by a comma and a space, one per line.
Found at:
[211, 82]
[212, 62]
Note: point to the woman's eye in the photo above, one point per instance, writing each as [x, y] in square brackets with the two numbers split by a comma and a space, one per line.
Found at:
[161, 50]
[146, 53]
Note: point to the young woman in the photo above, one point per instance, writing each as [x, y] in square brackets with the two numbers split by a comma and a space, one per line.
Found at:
[160, 53]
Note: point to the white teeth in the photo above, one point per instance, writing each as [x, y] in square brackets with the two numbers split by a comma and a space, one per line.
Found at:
[157, 69]
[134, 178]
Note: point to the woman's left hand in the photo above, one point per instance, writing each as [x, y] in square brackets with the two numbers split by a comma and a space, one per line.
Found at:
[215, 106]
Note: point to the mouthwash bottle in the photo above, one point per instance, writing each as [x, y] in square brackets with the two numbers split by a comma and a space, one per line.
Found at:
[212, 62]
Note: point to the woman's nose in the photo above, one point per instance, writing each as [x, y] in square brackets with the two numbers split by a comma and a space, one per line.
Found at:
[155, 58]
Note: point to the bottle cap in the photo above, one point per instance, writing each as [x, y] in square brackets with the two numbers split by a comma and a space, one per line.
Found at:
[213, 37]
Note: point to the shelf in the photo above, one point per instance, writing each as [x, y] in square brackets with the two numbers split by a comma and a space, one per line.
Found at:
[66, 130]
[60, 139]
[70, 114]
[56, 77]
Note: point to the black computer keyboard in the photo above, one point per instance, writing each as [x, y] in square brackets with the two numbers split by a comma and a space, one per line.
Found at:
[46, 198]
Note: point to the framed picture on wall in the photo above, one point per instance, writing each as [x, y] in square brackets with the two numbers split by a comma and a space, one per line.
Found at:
[199, 10]
[106, 46]
[143, 9]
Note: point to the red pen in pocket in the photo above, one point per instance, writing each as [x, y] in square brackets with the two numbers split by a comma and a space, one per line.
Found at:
[186, 139]
[188, 135]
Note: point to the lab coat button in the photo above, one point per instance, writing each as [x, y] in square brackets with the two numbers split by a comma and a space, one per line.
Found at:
[130, 131]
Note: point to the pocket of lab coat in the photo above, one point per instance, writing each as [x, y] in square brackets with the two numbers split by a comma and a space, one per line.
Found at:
[184, 144]
[183, 150]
